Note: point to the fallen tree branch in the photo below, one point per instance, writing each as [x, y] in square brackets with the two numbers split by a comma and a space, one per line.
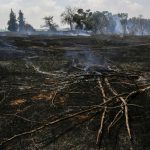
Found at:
[23, 118]
[125, 107]
[56, 121]
[46, 125]
[137, 92]
[103, 114]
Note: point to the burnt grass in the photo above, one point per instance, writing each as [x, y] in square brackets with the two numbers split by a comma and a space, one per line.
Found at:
[33, 68]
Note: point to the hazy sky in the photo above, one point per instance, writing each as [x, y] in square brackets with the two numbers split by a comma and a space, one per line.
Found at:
[35, 10]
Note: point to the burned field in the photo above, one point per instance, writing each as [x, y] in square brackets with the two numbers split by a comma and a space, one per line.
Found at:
[75, 93]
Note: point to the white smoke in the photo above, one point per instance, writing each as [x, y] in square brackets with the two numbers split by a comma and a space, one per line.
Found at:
[118, 27]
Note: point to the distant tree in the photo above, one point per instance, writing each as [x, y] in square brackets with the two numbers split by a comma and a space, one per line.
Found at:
[124, 21]
[79, 24]
[87, 19]
[67, 16]
[99, 22]
[78, 19]
[141, 23]
[49, 23]
[12, 23]
[21, 20]
[133, 25]
[83, 19]
[29, 28]
[108, 23]
[147, 26]
[111, 23]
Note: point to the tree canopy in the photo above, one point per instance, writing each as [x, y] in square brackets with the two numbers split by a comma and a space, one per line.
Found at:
[12, 23]
[67, 16]
[21, 20]
[49, 23]
[94, 21]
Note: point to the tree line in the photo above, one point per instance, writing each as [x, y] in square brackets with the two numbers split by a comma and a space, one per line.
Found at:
[18, 24]
[97, 22]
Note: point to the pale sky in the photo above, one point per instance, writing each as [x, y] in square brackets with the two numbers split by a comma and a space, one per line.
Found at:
[35, 10]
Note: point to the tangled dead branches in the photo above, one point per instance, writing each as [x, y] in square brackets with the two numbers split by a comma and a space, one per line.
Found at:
[110, 99]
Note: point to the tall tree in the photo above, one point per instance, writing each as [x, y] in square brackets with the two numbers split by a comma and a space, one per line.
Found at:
[141, 22]
[133, 25]
[12, 23]
[111, 23]
[124, 21]
[82, 19]
[67, 16]
[147, 26]
[49, 23]
[99, 22]
[21, 20]
[78, 19]
[87, 15]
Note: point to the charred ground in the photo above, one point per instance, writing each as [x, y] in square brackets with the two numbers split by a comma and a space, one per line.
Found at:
[44, 80]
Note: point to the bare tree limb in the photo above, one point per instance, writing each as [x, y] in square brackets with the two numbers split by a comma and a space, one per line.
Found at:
[103, 114]
[125, 107]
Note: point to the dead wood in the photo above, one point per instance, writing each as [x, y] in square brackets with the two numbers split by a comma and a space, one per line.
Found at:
[134, 93]
[125, 107]
[99, 134]
[57, 121]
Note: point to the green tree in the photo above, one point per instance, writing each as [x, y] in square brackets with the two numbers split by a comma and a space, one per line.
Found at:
[21, 25]
[87, 19]
[82, 19]
[12, 23]
[99, 21]
[49, 23]
[67, 16]
[77, 19]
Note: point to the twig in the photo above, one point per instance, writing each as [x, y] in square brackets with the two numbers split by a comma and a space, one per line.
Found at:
[54, 98]
[137, 92]
[3, 99]
[115, 119]
[25, 119]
